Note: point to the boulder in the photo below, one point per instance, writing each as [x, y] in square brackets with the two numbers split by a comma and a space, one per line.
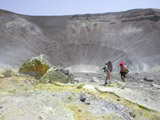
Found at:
[67, 73]
[89, 89]
[36, 66]
[54, 75]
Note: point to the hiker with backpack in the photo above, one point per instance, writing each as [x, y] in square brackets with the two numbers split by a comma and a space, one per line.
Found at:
[123, 71]
[108, 69]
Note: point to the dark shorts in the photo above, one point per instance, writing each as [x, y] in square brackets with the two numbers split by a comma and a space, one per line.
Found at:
[123, 74]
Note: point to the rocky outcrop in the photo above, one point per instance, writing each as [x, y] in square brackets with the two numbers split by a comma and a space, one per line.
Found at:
[36, 66]
[56, 75]
[40, 68]
[140, 15]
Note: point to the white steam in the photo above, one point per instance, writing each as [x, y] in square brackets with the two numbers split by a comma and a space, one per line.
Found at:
[84, 68]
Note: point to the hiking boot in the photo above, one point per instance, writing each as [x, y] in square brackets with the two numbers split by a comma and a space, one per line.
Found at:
[110, 82]
[105, 84]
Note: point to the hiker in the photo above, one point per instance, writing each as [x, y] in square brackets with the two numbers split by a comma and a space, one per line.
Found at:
[108, 70]
[123, 71]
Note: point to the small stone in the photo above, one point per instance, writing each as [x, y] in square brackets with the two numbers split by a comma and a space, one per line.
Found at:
[40, 117]
[87, 102]
[132, 114]
[82, 97]
[79, 110]
[145, 100]
[155, 86]
[141, 86]
[80, 86]
[70, 98]
[118, 99]
[142, 80]
[145, 78]
[151, 85]
[148, 79]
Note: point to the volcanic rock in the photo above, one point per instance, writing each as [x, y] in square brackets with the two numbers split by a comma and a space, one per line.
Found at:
[54, 75]
[149, 79]
[36, 66]
[89, 89]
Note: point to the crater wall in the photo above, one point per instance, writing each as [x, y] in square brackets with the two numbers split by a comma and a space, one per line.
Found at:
[132, 36]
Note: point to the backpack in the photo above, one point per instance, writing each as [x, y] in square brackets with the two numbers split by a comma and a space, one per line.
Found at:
[107, 67]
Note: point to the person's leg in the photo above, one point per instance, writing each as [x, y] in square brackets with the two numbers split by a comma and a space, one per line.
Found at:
[107, 78]
[123, 78]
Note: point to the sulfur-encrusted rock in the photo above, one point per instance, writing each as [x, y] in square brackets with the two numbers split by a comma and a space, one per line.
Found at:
[36, 66]
[54, 75]
[89, 89]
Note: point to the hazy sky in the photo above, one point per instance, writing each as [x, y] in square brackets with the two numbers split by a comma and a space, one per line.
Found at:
[69, 7]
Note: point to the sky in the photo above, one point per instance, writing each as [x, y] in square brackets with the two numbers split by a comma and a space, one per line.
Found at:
[71, 7]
